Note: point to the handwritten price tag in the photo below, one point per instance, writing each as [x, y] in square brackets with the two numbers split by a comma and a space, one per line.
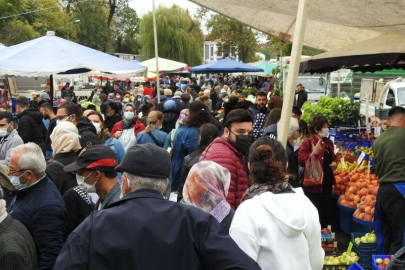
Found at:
[361, 157]
[377, 131]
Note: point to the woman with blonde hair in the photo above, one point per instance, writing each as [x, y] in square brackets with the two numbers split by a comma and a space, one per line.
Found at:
[152, 132]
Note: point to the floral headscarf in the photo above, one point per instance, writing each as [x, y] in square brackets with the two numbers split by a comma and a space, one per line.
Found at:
[183, 117]
[206, 188]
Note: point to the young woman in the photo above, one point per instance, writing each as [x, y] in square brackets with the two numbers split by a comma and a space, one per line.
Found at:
[126, 130]
[152, 133]
[112, 115]
[276, 225]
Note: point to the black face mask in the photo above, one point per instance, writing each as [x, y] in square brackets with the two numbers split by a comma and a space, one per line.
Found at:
[242, 143]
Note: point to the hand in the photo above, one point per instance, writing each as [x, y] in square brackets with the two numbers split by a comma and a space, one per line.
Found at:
[318, 148]
[333, 165]
[118, 134]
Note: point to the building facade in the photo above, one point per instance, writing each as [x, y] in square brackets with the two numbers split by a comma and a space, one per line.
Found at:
[213, 52]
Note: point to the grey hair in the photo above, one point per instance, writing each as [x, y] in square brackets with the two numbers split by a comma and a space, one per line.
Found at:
[2, 207]
[141, 182]
[32, 158]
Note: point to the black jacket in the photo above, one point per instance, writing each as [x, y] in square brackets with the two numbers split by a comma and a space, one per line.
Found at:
[63, 180]
[255, 110]
[78, 208]
[144, 231]
[215, 99]
[292, 164]
[48, 142]
[300, 98]
[17, 248]
[31, 128]
[169, 120]
[110, 121]
[87, 132]
[41, 209]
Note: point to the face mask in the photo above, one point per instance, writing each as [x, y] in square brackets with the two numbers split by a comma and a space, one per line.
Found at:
[226, 100]
[139, 99]
[129, 115]
[15, 180]
[107, 114]
[117, 96]
[4, 131]
[242, 143]
[97, 126]
[132, 98]
[324, 133]
[58, 121]
[86, 187]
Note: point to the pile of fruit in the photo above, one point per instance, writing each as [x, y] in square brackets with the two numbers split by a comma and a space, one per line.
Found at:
[383, 263]
[369, 238]
[347, 258]
[365, 209]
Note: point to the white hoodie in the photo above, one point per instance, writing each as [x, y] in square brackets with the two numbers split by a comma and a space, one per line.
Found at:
[279, 231]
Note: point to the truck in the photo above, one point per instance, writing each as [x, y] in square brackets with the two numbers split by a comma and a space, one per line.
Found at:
[379, 96]
[316, 85]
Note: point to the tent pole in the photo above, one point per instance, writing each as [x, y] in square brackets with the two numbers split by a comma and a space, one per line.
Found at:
[338, 86]
[299, 32]
[51, 90]
[156, 51]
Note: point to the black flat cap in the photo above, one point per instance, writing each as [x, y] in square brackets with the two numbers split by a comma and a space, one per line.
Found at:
[147, 160]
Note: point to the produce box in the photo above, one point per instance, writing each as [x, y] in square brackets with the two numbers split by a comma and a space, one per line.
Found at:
[346, 214]
[355, 266]
[336, 267]
[383, 257]
[361, 226]
[364, 251]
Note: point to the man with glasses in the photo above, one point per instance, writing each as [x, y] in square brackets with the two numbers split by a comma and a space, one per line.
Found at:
[230, 149]
[72, 113]
[37, 203]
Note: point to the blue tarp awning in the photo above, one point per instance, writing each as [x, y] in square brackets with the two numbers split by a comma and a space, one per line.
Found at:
[225, 66]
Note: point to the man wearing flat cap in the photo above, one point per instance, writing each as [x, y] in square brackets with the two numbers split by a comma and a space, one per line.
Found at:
[144, 231]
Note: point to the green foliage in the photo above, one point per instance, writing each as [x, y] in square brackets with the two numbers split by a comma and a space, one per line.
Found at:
[232, 33]
[335, 110]
[126, 26]
[179, 37]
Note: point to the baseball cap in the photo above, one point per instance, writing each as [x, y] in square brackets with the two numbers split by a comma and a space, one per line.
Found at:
[95, 157]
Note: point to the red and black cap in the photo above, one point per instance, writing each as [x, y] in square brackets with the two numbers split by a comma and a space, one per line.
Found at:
[95, 157]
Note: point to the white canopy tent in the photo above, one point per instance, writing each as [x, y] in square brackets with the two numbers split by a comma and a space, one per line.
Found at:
[165, 65]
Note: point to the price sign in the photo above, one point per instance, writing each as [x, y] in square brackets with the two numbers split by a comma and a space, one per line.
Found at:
[361, 157]
[377, 131]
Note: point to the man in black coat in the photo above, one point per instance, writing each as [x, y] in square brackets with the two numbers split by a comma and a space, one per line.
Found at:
[301, 96]
[145, 231]
[17, 248]
[72, 113]
[30, 125]
[38, 204]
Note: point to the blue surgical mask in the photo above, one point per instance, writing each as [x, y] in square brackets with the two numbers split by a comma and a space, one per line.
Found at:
[15, 180]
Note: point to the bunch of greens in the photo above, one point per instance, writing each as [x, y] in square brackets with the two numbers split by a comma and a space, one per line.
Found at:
[335, 110]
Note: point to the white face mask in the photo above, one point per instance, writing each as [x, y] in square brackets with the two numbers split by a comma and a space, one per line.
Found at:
[86, 187]
[15, 180]
[129, 115]
[226, 100]
[324, 133]
[4, 131]
[97, 126]
[58, 121]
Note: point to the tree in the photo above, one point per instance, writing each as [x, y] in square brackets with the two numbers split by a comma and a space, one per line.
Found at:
[179, 37]
[231, 34]
[126, 27]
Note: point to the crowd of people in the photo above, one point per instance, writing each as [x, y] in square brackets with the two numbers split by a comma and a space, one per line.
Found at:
[195, 181]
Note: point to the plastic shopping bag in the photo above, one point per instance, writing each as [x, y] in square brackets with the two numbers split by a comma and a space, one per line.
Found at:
[313, 175]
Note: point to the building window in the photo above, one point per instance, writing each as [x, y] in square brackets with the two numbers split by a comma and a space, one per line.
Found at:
[212, 51]
[207, 52]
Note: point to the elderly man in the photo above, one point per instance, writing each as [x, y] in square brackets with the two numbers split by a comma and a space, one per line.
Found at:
[17, 249]
[144, 231]
[38, 204]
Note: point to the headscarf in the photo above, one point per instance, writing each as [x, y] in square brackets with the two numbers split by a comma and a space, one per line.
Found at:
[169, 105]
[206, 188]
[183, 117]
[128, 123]
[65, 138]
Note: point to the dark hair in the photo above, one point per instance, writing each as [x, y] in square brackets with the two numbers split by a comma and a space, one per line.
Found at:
[110, 175]
[91, 107]
[273, 117]
[41, 102]
[233, 99]
[237, 116]
[317, 123]
[22, 102]
[204, 98]
[304, 131]
[103, 97]
[72, 88]
[199, 114]
[113, 106]
[394, 111]
[145, 109]
[71, 108]
[300, 84]
[125, 93]
[208, 133]
[185, 97]
[261, 94]
[6, 115]
[268, 161]
[98, 114]
[46, 105]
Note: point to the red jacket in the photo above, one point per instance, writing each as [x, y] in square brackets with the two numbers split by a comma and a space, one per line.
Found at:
[148, 91]
[306, 150]
[223, 153]
[118, 127]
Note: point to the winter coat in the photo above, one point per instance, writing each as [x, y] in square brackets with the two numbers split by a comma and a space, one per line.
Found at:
[118, 127]
[177, 100]
[17, 248]
[78, 208]
[117, 147]
[111, 121]
[169, 120]
[143, 231]
[87, 132]
[48, 142]
[306, 150]
[255, 110]
[41, 209]
[6, 144]
[186, 143]
[270, 131]
[112, 196]
[62, 180]
[279, 231]
[223, 153]
[147, 90]
[31, 128]
[300, 98]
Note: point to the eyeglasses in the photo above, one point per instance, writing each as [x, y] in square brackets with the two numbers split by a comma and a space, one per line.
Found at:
[11, 173]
